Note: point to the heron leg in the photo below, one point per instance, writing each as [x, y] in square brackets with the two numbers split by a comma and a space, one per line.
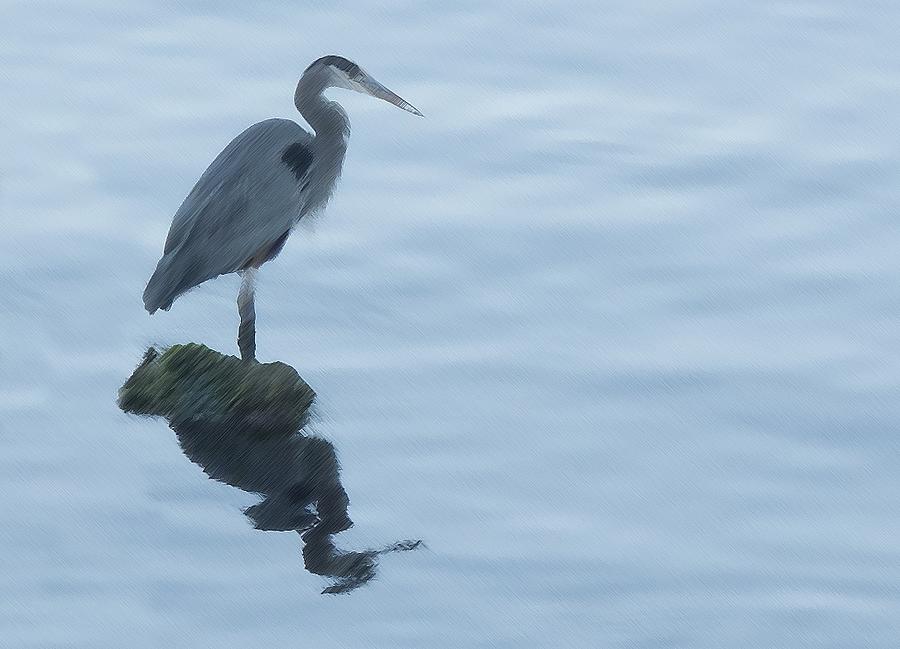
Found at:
[247, 311]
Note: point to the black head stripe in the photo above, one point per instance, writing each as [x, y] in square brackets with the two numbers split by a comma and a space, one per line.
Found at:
[340, 63]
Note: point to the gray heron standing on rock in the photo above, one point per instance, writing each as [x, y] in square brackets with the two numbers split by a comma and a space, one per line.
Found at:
[241, 211]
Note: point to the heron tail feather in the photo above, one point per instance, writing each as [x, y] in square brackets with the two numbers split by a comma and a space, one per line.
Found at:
[164, 286]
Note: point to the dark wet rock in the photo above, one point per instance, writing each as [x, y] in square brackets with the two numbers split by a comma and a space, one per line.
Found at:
[194, 383]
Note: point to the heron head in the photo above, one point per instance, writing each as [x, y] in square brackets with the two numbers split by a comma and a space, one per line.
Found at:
[338, 72]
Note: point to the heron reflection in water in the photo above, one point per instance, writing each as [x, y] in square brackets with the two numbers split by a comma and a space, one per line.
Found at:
[242, 210]
[299, 479]
[242, 424]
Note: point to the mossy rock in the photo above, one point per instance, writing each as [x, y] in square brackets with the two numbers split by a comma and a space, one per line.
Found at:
[194, 383]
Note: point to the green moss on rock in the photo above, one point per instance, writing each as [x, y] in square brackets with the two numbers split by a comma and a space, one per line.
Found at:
[194, 383]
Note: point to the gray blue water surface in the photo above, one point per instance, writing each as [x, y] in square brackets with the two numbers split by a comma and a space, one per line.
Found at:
[614, 329]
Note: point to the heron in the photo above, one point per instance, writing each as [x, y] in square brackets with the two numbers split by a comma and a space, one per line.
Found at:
[244, 206]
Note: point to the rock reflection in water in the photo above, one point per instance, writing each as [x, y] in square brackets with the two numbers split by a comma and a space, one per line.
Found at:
[240, 423]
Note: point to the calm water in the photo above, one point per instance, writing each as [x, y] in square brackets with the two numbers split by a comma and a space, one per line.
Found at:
[614, 329]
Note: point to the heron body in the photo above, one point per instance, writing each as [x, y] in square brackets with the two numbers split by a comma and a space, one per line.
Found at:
[242, 209]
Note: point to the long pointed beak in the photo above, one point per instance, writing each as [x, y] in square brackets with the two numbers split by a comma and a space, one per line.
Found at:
[372, 87]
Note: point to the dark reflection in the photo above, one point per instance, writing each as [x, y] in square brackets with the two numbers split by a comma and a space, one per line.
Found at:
[240, 423]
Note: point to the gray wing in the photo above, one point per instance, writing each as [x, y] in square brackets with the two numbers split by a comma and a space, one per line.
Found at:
[246, 201]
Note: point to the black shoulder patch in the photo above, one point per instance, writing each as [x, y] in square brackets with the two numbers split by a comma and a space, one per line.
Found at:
[297, 157]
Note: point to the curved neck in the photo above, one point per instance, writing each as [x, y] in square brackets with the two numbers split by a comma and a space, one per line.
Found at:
[332, 128]
[327, 118]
